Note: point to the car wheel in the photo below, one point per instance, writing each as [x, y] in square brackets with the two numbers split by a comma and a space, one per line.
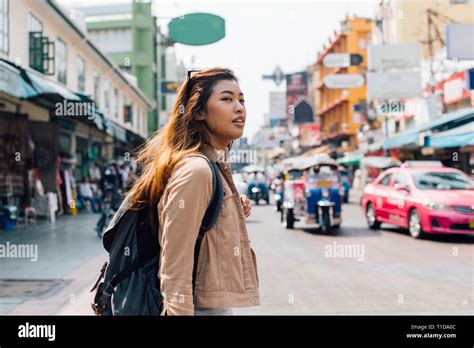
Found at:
[414, 225]
[371, 217]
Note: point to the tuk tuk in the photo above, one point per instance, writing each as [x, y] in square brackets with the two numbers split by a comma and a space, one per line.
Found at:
[314, 197]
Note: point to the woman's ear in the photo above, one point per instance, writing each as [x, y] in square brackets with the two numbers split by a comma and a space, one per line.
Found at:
[200, 116]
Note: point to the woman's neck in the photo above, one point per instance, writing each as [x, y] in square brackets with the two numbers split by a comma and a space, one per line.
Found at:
[217, 144]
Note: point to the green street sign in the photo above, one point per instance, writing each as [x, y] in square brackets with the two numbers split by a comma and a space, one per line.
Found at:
[196, 29]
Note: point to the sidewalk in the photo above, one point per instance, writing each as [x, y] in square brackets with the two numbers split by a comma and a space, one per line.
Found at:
[68, 260]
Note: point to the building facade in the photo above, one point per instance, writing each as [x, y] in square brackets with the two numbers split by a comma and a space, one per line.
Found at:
[128, 34]
[336, 106]
[65, 107]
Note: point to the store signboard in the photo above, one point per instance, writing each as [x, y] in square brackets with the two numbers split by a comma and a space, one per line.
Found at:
[341, 60]
[393, 85]
[388, 56]
[343, 81]
[459, 41]
[277, 105]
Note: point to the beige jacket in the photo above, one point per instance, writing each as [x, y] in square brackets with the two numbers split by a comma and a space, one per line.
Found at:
[227, 269]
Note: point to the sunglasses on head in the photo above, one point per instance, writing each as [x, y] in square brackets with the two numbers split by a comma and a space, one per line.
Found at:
[188, 82]
[190, 73]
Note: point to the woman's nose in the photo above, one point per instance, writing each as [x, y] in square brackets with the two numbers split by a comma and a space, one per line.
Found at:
[239, 107]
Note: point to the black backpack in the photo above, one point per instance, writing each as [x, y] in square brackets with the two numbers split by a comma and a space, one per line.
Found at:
[131, 285]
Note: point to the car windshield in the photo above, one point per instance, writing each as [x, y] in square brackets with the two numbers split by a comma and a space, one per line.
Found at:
[442, 181]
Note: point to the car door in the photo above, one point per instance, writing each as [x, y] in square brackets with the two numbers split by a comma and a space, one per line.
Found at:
[398, 202]
[382, 191]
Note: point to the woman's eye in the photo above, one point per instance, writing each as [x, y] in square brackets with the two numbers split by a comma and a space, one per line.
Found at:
[242, 101]
[227, 98]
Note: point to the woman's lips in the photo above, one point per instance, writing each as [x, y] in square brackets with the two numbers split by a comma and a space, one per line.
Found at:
[239, 124]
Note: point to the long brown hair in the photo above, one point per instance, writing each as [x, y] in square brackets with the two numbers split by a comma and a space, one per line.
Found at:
[182, 135]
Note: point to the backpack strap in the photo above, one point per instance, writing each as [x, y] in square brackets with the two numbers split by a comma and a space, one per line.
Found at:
[215, 204]
[212, 212]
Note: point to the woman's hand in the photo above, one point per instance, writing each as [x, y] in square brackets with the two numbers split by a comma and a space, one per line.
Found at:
[246, 205]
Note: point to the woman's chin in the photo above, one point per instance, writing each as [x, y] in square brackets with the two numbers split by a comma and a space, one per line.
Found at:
[237, 134]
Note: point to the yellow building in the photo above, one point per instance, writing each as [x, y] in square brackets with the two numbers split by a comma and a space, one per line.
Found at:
[336, 106]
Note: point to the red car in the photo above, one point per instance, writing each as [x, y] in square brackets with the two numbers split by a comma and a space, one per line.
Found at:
[422, 196]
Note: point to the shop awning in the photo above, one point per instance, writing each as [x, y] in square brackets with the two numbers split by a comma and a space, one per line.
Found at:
[30, 84]
[456, 137]
[97, 116]
[117, 131]
[350, 159]
[52, 90]
[415, 138]
[409, 139]
[134, 139]
[12, 83]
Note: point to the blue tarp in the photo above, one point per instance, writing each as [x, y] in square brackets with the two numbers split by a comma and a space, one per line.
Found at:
[44, 87]
[26, 83]
[408, 139]
[411, 138]
[457, 137]
[12, 83]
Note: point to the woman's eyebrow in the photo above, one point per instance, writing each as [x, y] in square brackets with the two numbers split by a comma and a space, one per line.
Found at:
[241, 94]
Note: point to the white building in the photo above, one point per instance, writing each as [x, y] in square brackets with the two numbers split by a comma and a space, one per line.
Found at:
[62, 100]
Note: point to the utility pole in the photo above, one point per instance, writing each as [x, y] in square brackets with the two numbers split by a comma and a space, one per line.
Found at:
[430, 41]
[380, 22]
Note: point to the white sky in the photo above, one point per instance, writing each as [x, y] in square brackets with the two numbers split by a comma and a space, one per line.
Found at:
[259, 36]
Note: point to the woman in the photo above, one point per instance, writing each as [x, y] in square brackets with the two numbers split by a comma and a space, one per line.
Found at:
[208, 115]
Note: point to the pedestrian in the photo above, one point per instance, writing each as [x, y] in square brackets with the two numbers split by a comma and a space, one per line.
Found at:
[209, 113]
[88, 193]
